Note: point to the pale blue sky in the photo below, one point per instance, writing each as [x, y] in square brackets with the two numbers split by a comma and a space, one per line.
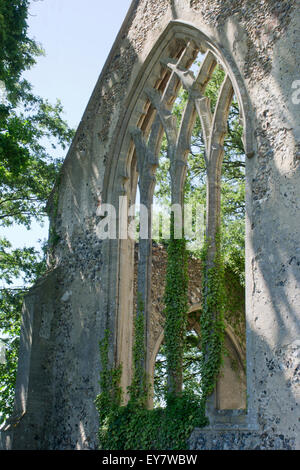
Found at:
[77, 37]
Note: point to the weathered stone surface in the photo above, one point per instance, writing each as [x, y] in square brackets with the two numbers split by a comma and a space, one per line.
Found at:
[90, 283]
[242, 440]
[231, 389]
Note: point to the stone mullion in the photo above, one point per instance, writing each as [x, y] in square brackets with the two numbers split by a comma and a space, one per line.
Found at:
[206, 70]
[203, 109]
[169, 124]
[178, 174]
[215, 155]
[175, 65]
[146, 165]
[214, 129]
[179, 158]
[202, 103]
[146, 186]
[178, 147]
[168, 94]
[213, 210]
[214, 159]
[196, 101]
[163, 103]
[168, 121]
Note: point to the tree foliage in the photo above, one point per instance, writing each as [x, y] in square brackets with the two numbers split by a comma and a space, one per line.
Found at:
[232, 211]
[31, 129]
[233, 175]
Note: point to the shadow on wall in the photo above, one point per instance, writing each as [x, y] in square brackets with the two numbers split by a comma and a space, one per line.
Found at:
[275, 234]
[61, 379]
[276, 274]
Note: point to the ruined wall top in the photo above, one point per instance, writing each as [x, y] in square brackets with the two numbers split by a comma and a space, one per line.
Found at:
[88, 287]
[251, 36]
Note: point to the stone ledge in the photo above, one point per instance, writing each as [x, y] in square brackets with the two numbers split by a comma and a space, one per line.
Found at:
[207, 439]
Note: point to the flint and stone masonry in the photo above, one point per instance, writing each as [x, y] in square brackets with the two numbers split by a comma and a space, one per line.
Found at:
[90, 282]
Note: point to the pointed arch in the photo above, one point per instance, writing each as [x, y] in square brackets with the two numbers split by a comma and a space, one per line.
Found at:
[141, 127]
[230, 391]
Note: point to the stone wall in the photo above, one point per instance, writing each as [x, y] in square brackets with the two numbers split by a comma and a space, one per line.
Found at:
[89, 286]
[231, 388]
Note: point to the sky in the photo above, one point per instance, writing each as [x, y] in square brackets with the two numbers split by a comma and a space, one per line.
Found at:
[77, 37]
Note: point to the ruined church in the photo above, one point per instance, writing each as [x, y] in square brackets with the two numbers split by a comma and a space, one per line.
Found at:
[92, 281]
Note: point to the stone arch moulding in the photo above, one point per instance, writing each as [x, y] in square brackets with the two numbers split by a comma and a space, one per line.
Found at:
[116, 167]
[90, 283]
[121, 174]
[225, 386]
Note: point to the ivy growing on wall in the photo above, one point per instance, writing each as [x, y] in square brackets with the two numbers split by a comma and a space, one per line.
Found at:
[53, 235]
[138, 390]
[135, 427]
[212, 318]
[109, 400]
[176, 309]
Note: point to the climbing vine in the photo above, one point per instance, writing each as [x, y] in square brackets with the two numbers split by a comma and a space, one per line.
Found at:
[212, 318]
[138, 390]
[176, 309]
[109, 400]
[54, 237]
[135, 427]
